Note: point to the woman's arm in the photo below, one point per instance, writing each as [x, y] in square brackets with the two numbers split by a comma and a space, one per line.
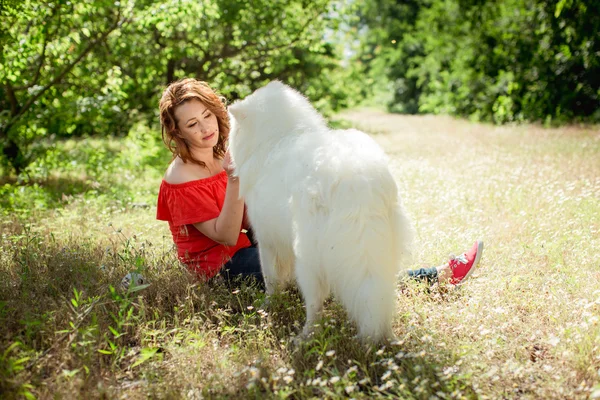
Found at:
[226, 228]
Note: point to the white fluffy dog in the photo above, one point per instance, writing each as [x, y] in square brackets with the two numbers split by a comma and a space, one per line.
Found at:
[323, 205]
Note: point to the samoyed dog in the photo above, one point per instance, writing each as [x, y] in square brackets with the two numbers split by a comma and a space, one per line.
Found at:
[323, 205]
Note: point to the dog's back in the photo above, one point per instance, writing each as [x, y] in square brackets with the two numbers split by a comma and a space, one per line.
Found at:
[351, 231]
[336, 203]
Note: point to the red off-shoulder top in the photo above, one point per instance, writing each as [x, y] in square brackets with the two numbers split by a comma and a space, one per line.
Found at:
[185, 204]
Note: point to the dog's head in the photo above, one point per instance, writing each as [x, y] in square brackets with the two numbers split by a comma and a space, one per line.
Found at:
[263, 113]
[271, 112]
[260, 120]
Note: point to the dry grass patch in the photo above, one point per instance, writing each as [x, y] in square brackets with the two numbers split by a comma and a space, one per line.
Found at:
[528, 323]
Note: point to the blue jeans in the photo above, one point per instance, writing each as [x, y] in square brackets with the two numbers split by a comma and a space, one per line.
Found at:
[429, 275]
[244, 264]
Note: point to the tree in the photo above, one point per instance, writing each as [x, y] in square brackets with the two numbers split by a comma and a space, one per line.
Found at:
[514, 60]
[46, 42]
[97, 67]
[388, 46]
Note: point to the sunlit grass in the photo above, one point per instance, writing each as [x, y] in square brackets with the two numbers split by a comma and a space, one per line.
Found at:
[533, 196]
[526, 325]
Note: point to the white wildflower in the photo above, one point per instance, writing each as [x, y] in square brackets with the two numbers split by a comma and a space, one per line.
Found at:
[386, 386]
[554, 341]
[354, 368]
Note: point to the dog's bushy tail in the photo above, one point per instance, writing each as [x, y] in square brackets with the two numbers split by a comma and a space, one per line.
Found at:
[372, 307]
[404, 235]
[369, 293]
[375, 299]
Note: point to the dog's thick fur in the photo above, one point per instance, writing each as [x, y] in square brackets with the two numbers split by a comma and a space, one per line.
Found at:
[323, 205]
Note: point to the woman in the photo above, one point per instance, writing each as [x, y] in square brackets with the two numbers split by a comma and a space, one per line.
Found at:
[199, 196]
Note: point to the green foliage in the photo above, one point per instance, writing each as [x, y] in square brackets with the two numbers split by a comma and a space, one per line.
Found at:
[96, 170]
[506, 61]
[52, 77]
[98, 67]
[11, 364]
[387, 46]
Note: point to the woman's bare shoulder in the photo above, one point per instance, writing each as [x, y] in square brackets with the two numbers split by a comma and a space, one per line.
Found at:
[180, 172]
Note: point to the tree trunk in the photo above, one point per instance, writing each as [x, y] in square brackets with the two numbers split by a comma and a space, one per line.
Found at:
[170, 71]
[13, 154]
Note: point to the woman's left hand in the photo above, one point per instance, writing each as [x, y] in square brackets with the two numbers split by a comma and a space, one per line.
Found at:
[228, 165]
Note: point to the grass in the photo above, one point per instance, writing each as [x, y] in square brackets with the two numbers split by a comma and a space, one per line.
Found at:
[526, 325]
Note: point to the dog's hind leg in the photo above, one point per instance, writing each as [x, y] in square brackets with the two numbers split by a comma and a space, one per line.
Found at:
[268, 266]
[284, 266]
[277, 267]
[314, 291]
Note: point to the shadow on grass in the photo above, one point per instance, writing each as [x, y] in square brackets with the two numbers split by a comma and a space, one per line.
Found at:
[38, 276]
[56, 192]
[332, 362]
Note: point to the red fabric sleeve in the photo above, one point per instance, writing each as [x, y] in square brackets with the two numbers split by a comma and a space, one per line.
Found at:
[162, 210]
[187, 204]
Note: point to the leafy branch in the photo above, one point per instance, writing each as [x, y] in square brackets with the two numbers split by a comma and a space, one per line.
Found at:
[20, 111]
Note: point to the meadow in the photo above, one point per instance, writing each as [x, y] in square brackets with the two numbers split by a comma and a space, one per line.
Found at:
[526, 326]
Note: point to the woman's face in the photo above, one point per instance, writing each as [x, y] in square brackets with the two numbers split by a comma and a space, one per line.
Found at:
[197, 125]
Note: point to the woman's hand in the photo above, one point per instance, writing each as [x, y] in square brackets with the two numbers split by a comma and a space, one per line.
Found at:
[228, 165]
[225, 229]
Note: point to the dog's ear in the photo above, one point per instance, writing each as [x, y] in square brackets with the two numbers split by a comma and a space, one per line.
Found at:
[237, 113]
[276, 85]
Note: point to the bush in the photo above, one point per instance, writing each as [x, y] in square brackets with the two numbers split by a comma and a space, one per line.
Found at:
[514, 60]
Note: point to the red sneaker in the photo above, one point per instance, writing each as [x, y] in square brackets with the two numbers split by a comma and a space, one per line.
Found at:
[464, 265]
